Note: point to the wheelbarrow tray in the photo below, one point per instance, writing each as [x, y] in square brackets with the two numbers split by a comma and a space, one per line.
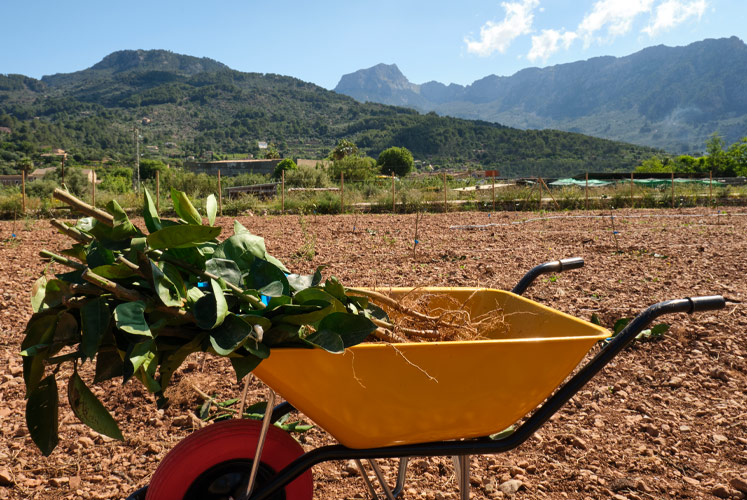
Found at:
[378, 394]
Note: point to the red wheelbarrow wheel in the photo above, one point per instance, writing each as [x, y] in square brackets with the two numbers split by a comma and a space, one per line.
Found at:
[215, 462]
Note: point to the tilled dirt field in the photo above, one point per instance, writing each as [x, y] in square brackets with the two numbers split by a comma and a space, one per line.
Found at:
[666, 419]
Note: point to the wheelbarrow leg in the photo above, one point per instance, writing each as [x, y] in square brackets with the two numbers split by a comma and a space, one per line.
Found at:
[380, 476]
[462, 467]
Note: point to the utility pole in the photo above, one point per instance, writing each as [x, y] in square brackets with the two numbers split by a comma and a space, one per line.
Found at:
[137, 160]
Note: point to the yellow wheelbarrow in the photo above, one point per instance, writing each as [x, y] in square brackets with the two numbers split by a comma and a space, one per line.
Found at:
[405, 400]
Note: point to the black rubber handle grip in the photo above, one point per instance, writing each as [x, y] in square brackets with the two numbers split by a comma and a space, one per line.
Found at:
[707, 303]
[571, 263]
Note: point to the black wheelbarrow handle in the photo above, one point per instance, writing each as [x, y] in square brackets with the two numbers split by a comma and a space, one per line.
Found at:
[486, 445]
[556, 266]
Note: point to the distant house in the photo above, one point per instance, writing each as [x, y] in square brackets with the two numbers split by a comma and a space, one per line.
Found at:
[146, 120]
[39, 174]
[11, 180]
[262, 144]
[5, 130]
[151, 148]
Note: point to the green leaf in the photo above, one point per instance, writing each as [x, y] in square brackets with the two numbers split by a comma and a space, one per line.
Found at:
[98, 255]
[48, 294]
[333, 287]
[39, 331]
[328, 340]
[659, 330]
[171, 362]
[351, 328]
[211, 207]
[89, 409]
[122, 228]
[184, 208]
[242, 246]
[38, 291]
[595, 320]
[231, 335]
[141, 356]
[152, 221]
[165, 288]
[114, 271]
[109, 364]
[224, 268]
[239, 228]
[191, 255]
[182, 236]
[620, 324]
[130, 317]
[315, 294]
[307, 314]
[42, 415]
[94, 318]
[244, 365]
[211, 310]
[262, 273]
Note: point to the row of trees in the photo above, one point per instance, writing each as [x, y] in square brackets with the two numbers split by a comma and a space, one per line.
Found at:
[348, 160]
[723, 161]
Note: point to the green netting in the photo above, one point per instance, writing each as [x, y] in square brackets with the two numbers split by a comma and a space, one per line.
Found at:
[574, 182]
[666, 182]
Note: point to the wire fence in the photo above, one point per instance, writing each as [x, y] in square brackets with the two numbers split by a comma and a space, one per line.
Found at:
[436, 192]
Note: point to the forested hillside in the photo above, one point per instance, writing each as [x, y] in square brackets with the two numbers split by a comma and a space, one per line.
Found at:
[185, 106]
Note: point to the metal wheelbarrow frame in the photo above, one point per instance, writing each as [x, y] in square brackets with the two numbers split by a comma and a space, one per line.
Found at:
[463, 448]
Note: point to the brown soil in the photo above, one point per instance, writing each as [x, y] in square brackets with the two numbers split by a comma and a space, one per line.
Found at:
[667, 419]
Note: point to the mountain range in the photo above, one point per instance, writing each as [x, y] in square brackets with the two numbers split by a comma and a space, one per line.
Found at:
[186, 106]
[672, 98]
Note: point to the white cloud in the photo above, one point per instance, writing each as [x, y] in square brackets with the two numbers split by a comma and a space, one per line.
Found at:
[673, 12]
[616, 16]
[498, 36]
[548, 42]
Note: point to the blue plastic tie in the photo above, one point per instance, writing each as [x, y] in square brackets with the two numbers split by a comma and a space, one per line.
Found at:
[13, 235]
[265, 300]
[615, 232]
[416, 242]
[202, 284]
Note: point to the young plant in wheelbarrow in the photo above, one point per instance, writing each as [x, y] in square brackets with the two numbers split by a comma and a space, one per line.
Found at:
[381, 371]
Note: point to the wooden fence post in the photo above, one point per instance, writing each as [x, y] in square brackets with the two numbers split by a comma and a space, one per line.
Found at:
[710, 189]
[220, 195]
[158, 190]
[342, 192]
[493, 193]
[282, 191]
[446, 206]
[587, 190]
[23, 191]
[539, 183]
[394, 207]
[672, 189]
[93, 188]
[631, 189]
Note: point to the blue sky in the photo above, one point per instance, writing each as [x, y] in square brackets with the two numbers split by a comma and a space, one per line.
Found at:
[447, 41]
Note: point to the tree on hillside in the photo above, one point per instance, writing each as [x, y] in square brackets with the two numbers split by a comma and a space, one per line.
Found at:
[272, 152]
[344, 148]
[738, 157]
[285, 164]
[149, 167]
[717, 160]
[355, 168]
[397, 160]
